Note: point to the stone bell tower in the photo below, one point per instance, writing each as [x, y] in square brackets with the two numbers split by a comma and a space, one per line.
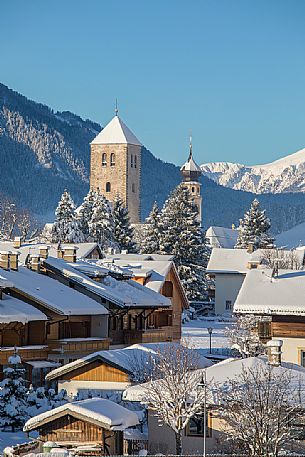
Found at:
[116, 165]
[191, 172]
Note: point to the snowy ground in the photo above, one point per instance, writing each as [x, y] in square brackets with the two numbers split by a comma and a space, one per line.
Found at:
[196, 334]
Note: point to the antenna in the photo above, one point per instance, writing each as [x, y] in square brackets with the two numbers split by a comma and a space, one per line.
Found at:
[116, 107]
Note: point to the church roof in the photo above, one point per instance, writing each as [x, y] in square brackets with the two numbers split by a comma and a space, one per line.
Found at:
[116, 132]
[191, 165]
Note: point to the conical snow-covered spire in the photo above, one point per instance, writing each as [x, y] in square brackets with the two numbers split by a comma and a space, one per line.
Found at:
[190, 170]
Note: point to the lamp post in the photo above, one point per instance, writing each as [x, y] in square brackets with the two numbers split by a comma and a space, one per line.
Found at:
[210, 330]
[203, 385]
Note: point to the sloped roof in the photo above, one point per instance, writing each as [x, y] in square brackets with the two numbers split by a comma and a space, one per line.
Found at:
[228, 261]
[52, 294]
[123, 359]
[116, 132]
[122, 293]
[222, 237]
[263, 294]
[191, 165]
[14, 310]
[98, 411]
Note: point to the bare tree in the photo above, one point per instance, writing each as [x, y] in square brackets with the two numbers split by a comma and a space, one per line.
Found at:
[243, 336]
[281, 259]
[8, 216]
[260, 408]
[173, 394]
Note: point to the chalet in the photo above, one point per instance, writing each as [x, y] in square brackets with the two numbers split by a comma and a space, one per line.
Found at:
[55, 323]
[279, 299]
[158, 273]
[94, 425]
[137, 314]
[112, 370]
[163, 440]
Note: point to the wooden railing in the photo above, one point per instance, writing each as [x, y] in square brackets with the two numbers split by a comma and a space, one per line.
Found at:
[79, 345]
[155, 335]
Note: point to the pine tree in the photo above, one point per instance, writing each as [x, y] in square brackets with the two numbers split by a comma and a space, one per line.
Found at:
[86, 212]
[254, 229]
[66, 227]
[123, 232]
[151, 237]
[101, 223]
[13, 404]
[181, 236]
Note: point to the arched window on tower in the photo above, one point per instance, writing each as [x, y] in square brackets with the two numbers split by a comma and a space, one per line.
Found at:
[193, 189]
[135, 161]
[131, 161]
[104, 160]
[108, 186]
[133, 187]
[112, 159]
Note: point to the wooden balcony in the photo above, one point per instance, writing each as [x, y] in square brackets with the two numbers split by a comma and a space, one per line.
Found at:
[35, 352]
[155, 335]
[80, 346]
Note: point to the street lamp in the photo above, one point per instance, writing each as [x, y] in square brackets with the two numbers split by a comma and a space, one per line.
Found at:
[203, 385]
[210, 330]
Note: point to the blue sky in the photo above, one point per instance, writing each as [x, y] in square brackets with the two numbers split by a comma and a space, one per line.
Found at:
[231, 71]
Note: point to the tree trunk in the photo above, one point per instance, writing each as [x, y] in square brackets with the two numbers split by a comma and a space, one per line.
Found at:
[178, 442]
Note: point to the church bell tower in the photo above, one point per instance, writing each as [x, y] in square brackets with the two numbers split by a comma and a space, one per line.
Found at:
[115, 167]
[191, 172]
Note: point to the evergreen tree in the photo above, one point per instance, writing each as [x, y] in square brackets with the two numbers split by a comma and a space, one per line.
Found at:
[151, 237]
[254, 229]
[123, 232]
[86, 212]
[101, 223]
[66, 227]
[181, 236]
[13, 404]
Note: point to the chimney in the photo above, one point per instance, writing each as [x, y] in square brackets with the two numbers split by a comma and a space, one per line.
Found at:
[14, 260]
[69, 253]
[275, 352]
[253, 264]
[17, 242]
[5, 260]
[250, 249]
[44, 251]
[35, 262]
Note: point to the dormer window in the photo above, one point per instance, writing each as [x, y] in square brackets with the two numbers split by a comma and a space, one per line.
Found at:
[112, 159]
[104, 160]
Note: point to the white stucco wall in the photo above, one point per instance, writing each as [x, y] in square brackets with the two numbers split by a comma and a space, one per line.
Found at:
[291, 349]
[227, 286]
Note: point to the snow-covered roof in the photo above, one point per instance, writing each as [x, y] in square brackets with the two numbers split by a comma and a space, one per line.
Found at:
[51, 293]
[122, 293]
[125, 359]
[228, 261]
[153, 267]
[219, 373]
[263, 294]
[222, 237]
[190, 165]
[116, 132]
[83, 249]
[98, 411]
[14, 310]
[292, 238]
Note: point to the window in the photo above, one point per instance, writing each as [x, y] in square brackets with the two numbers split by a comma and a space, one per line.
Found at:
[104, 160]
[229, 305]
[108, 187]
[264, 330]
[195, 426]
[112, 159]
[131, 161]
[302, 358]
[135, 161]
[193, 189]
[168, 289]
[133, 187]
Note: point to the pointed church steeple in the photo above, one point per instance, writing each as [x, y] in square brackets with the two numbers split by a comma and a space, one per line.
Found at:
[190, 170]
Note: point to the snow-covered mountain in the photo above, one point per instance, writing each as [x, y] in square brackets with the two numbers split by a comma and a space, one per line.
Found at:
[283, 175]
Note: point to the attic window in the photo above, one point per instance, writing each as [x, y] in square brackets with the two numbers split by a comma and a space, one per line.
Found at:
[104, 160]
